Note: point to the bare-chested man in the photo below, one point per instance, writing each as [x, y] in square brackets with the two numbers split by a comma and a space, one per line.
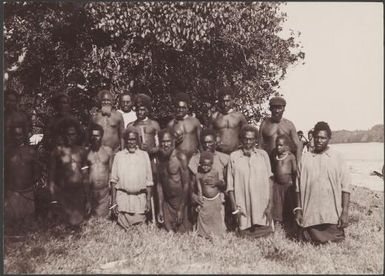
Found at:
[21, 172]
[187, 128]
[276, 125]
[111, 121]
[68, 175]
[228, 123]
[125, 104]
[12, 114]
[148, 133]
[100, 164]
[174, 185]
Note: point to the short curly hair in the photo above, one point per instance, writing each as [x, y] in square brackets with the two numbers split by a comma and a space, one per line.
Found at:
[247, 128]
[322, 126]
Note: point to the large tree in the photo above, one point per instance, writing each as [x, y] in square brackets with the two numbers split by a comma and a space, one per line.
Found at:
[158, 48]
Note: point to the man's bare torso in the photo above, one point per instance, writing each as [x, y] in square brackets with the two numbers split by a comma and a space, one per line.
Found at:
[99, 163]
[111, 126]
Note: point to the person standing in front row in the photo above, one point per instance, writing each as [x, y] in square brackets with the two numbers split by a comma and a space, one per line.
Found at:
[173, 186]
[323, 192]
[131, 182]
[250, 186]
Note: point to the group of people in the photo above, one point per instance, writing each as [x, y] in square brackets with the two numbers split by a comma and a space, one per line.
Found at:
[225, 175]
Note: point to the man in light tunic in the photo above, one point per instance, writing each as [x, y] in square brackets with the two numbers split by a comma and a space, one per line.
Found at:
[125, 104]
[131, 181]
[250, 186]
[323, 192]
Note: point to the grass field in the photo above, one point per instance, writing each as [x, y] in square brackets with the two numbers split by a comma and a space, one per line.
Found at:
[103, 247]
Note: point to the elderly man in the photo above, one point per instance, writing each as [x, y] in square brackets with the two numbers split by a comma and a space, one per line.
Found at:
[131, 181]
[174, 186]
[323, 192]
[250, 186]
[276, 125]
[187, 128]
[68, 175]
[111, 121]
[125, 104]
[228, 122]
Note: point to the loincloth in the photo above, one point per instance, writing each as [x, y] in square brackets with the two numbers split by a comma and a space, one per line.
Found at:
[100, 199]
[19, 204]
[210, 219]
[170, 208]
[72, 201]
[283, 202]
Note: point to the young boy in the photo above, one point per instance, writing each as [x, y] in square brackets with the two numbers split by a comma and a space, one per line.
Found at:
[100, 162]
[211, 214]
[285, 172]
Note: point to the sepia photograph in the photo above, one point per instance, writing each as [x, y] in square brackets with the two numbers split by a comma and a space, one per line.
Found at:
[193, 137]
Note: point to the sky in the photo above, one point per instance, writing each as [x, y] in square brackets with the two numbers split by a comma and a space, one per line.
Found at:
[342, 79]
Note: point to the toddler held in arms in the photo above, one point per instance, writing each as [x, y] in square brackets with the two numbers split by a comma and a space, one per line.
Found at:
[211, 214]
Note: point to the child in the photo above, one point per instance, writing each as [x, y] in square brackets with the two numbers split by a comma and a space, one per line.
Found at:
[210, 214]
[285, 172]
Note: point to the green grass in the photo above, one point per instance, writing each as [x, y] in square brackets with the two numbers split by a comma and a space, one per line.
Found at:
[147, 249]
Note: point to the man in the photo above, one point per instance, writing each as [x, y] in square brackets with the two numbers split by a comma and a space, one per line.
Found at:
[276, 125]
[111, 121]
[310, 144]
[12, 114]
[68, 175]
[131, 182]
[128, 114]
[21, 172]
[250, 186]
[148, 132]
[323, 192]
[62, 106]
[228, 122]
[174, 185]
[100, 162]
[187, 128]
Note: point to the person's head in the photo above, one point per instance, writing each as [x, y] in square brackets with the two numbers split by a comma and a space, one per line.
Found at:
[322, 135]
[282, 143]
[105, 101]
[300, 133]
[11, 100]
[182, 105]
[131, 139]
[166, 141]
[310, 134]
[277, 107]
[248, 136]
[125, 102]
[18, 134]
[71, 131]
[96, 133]
[208, 139]
[61, 103]
[143, 106]
[206, 161]
[226, 101]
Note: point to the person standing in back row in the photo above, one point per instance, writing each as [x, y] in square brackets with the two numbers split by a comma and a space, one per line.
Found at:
[125, 103]
[276, 125]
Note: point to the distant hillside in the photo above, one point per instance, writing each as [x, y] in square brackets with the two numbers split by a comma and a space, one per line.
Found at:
[375, 134]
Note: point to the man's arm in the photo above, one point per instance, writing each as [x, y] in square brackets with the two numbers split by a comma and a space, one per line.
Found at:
[185, 177]
[155, 149]
[85, 170]
[297, 142]
[199, 130]
[260, 135]
[52, 173]
[121, 129]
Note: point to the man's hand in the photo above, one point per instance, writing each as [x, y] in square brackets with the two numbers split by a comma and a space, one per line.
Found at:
[114, 209]
[144, 146]
[299, 217]
[148, 206]
[88, 207]
[268, 214]
[180, 216]
[343, 220]
[160, 217]
[238, 215]
[178, 137]
[196, 199]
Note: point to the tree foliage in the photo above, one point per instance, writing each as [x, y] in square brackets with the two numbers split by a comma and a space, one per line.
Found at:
[158, 48]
